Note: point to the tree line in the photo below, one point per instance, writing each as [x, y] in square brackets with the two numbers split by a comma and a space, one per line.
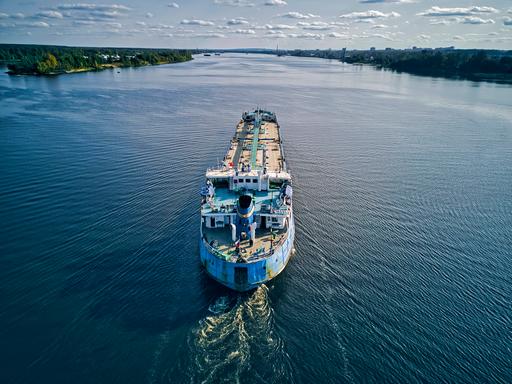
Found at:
[44, 59]
[447, 62]
[437, 62]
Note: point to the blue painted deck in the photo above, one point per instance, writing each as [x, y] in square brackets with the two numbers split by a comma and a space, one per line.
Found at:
[258, 272]
[223, 196]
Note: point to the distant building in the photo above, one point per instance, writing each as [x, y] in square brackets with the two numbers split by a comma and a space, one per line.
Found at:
[451, 48]
[372, 49]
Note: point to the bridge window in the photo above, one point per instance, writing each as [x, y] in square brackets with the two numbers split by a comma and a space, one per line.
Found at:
[254, 180]
[247, 180]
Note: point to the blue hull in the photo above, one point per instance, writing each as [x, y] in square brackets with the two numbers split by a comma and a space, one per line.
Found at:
[246, 276]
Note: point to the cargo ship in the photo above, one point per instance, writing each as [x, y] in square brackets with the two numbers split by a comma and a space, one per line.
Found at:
[247, 225]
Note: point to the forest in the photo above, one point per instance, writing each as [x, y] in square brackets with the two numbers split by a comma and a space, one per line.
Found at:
[470, 64]
[52, 60]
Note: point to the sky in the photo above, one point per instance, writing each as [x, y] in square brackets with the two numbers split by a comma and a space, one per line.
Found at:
[291, 24]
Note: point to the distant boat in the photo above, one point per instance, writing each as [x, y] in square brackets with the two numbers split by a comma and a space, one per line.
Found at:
[217, 54]
[206, 54]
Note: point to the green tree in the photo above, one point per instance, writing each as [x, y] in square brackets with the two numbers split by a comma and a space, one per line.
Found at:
[48, 65]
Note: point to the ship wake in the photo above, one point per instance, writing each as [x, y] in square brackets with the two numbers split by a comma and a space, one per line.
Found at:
[238, 343]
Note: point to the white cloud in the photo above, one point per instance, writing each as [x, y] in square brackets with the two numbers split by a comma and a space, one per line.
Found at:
[472, 20]
[316, 25]
[197, 22]
[307, 35]
[275, 2]
[379, 26]
[235, 3]
[475, 20]
[84, 22]
[337, 35]
[18, 15]
[279, 26]
[90, 7]
[507, 20]
[441, 21]
[209, 35]
[89, 11]
[3, 15]
[364, 21]
[114, 25]
[380, 36]
[237, 21]
[276, 35]
[338, 23]
[423, 37]
[245, 31]
[141, 23]
[298, 15]
[369, 15]
[149, 15]
[475, 10]
[388, 1]
[37, 24]
[49, 14]
[159, 27]
[173, 5]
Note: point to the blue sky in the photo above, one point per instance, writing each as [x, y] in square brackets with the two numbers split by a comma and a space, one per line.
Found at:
[260, 23]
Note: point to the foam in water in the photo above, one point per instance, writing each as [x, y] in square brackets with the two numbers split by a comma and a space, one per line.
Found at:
[226, 345]
[219, 306]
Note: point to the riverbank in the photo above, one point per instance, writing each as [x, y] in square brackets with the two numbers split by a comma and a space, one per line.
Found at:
[450, 63]
[36, 60]
[88, 69]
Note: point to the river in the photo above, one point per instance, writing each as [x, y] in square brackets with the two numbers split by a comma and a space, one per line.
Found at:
[403, 206]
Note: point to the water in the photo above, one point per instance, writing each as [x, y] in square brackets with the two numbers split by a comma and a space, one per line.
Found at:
[403, 204]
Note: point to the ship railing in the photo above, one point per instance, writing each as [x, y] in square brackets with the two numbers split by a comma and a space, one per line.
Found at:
[253, 257]
[270, 252]
[216, 252]
[218, 168]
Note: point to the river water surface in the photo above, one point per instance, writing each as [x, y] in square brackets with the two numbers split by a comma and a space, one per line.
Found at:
[403, 205]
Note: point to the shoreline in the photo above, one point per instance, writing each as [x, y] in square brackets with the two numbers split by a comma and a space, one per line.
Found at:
[478, 65]
[497, 78]
[102, 67]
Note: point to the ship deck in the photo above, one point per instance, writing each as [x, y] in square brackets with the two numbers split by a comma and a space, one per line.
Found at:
[225, 200]
[263, 134]
[261, 245]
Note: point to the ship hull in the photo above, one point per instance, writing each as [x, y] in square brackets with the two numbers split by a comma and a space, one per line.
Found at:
[246, 276]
